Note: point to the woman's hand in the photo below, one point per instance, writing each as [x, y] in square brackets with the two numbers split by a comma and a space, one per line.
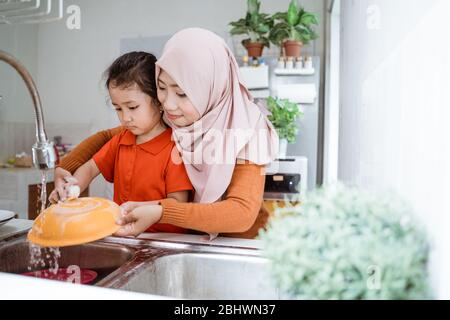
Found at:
[63, 180]
[137, 221]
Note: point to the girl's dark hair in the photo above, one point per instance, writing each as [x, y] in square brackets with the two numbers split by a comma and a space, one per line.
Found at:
[134, 68]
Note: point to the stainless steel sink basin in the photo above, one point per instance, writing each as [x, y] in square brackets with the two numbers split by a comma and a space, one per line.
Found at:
[165, 268]
[205, 276]
[104, 258]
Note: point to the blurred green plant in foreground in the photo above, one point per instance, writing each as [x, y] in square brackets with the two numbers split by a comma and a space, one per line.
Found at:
[344, 243]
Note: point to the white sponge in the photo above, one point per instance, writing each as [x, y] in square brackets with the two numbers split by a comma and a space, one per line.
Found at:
[73, 192]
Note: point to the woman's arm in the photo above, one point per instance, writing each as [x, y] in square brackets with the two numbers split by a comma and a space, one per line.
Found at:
[237, 213]
[87, 149]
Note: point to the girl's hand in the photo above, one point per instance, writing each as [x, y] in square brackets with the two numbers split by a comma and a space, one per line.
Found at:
[131, 205]
[63, 180]
[137, 221]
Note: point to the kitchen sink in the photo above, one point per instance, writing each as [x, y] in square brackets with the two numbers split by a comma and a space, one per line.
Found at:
[159, 267]
[205, 276]
[104, 258]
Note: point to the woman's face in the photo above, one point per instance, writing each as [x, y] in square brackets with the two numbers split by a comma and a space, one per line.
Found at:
[177, 106]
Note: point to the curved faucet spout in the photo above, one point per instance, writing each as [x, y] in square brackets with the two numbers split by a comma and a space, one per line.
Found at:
[44, 156]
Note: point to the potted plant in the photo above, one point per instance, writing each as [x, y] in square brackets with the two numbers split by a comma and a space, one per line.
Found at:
[344, 243]
[284, 118]
[293, 29]
[256, 26]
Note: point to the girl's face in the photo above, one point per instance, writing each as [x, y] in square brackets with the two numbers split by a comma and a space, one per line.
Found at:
[135, 109]
[177, 106]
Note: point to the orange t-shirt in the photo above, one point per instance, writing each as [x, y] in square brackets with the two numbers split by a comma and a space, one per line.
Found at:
[143, 172]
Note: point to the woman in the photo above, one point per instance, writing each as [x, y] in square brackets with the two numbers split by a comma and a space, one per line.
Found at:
[214, 120]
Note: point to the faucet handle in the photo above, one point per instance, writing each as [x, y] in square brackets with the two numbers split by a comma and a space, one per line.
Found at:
[44, 155]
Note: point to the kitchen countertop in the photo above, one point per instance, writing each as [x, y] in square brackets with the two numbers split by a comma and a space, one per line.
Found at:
[19, 287]
[13, 287]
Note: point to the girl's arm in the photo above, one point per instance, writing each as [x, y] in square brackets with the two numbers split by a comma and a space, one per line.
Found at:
[76, 158]
[240, 214]
[85, 174]
[237, 213]
[180, 196]
[177, 182]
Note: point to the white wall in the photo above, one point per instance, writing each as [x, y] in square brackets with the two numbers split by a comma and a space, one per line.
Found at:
[332, 76]
[17, 129]
[395, 94]
[21, 42]
[68, 64]
[71, 62]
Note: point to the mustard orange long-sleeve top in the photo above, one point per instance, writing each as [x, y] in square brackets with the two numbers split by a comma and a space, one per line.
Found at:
[239, 214]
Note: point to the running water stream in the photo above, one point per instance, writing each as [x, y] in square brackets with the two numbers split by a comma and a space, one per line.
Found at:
[43, 258]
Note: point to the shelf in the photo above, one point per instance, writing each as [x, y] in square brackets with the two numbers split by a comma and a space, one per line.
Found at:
[294, 72]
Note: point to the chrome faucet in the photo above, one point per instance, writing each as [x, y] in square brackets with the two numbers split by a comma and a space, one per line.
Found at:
[44, 155]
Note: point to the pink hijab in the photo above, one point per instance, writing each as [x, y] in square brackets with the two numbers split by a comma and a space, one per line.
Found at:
[231, 126]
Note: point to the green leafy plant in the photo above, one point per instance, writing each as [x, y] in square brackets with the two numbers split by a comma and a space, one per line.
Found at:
[284, 117]
[255, 25]
[296, 25]
[349, 244]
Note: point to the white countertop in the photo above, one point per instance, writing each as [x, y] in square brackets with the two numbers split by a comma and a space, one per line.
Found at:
[19, 287]
[13, 287]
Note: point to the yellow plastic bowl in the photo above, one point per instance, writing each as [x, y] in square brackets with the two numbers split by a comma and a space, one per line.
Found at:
[75, 222]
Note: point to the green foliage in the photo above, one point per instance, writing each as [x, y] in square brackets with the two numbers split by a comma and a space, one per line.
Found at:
[344, 243]
[284, 117]
[296, 24]
[255, 24]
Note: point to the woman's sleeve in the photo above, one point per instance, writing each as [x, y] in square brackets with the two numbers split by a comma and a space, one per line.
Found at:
[87, 149]
[237, 213]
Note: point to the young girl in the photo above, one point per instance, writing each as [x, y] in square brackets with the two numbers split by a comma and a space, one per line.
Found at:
[202, 94]
[139, 160]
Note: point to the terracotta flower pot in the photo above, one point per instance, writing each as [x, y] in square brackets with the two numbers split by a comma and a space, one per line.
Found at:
[255, 49]
[293, 48]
